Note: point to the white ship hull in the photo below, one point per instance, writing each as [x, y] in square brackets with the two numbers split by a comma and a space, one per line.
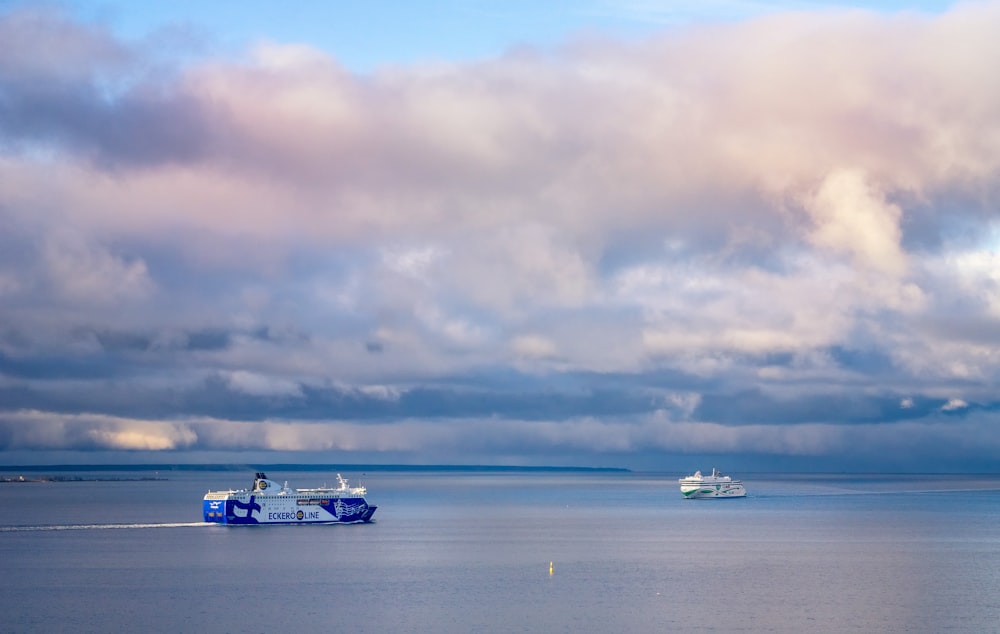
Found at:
[713, 491]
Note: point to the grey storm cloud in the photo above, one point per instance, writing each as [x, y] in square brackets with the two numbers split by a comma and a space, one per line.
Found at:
[774, 238]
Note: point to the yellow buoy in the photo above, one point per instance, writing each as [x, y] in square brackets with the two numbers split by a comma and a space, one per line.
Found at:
[550, 567]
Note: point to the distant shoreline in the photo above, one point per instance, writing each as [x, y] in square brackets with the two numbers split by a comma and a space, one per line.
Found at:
[306, 467]
[42, 479]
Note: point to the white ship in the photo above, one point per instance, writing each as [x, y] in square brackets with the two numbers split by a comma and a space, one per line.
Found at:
[270, 503]
[713, 486]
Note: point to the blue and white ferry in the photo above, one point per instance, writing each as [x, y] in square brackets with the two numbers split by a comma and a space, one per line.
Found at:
[270, 503]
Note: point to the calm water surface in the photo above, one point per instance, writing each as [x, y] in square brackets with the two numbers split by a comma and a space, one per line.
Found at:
[470, 552]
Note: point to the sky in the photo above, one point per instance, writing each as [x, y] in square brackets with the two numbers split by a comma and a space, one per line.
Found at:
[653, 235]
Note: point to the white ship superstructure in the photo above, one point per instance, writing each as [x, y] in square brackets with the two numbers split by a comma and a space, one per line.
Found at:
[713, 486]
[270, 503]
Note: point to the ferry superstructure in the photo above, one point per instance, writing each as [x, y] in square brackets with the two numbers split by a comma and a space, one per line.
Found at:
[270, 503]
[713, 486]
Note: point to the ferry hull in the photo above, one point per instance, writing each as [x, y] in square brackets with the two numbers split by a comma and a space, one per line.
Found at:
[256, 510]
[700, 491]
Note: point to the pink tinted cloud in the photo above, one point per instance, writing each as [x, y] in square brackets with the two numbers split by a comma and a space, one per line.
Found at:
[288, 145]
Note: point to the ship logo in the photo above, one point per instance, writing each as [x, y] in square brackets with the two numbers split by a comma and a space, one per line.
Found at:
[299, 515]
[262, 484]
[249, 507]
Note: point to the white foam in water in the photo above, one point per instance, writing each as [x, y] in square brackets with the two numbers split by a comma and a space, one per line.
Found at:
[79, 527]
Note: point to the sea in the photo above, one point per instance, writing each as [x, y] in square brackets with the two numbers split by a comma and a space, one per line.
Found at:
[503, 550]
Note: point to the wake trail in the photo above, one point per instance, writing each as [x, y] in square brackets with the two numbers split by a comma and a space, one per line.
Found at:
[82, 527]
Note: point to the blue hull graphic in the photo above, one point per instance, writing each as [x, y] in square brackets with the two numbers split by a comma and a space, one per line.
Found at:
[343, 511]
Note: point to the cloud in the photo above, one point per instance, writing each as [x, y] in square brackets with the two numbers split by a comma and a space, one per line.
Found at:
[37, 430]
[74, 86]
[934, 441]
[82, 272]
[850, 217]
[785, 219]
[533, 347]
[259, 385]
[954, 404]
